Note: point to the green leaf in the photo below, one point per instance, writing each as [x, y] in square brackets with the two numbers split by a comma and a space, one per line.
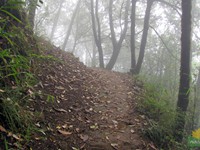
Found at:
[193, 142]
[50, 98]
[11, 15]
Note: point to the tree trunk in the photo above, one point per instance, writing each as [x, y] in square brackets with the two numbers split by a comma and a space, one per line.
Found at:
[71, 24]
[93, 54]
[31, 12]
[133, 58]
[97, 32]
[117, 44]
[115, 54]
[144, 36]
[55, 23]
[183, 97]
[196, 119]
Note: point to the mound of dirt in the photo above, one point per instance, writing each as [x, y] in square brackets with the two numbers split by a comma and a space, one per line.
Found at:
[84, 108]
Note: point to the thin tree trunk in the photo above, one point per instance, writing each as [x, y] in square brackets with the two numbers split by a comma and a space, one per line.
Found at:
[93, 54]
[183, 97]
[196, 119]
[144, 36]
[31, 12]
[56, 20]
[133, 58]
[116, 44]
[97, 32]
[71, 24]
[75, 43]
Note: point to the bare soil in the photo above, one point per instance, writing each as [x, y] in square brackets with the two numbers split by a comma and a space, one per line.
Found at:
[85, 108]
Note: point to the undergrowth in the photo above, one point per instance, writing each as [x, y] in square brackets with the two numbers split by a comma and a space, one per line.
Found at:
[16, 78]
[161, 115]
[18, 51]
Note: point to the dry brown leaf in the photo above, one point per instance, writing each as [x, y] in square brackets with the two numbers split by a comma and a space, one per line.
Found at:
[65, 126]
[84, 137]
[2, 129]
[16, 137]
[60, 110]
[152, 146]
[64, 132]
[137, 120]
[2, 91]
[82, 146]
[77, 129]
[37, 138]
[132, 131]
[114, 145]
[59, 87]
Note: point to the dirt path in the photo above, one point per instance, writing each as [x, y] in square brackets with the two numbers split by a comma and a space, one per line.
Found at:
[116, 124]
[92, 109]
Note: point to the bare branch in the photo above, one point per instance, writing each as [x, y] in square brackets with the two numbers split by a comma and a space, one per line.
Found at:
[164, 43]
[176, 8]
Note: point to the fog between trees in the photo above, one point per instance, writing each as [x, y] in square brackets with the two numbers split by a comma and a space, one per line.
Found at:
[127, 36]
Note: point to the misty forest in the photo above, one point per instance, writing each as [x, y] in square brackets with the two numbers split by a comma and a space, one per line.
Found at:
[99, 74]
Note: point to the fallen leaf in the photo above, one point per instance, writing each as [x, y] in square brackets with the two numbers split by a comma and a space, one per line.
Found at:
[137, 120]
[37, 138]
[152, 146]
[16, 137]
[114, 145]
[38, 124]
[129, 93]
[82, 146]
[114, 121]
[74, 148]
[64, 132]
[2, 129]
[30, 92]
[59, 87]
[60, 110]
[132, 131]
[77, 130]
[42, 131]
[84, 137]
[40, 83]
[95, 126]
[2, 91]
[58, 127]
[65, 126]
[142, 116]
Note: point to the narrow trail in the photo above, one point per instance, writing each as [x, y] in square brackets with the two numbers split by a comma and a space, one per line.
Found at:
[118, 126]
[92, 109]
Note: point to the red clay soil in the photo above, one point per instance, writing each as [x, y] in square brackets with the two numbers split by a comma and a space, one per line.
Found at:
[92, 109]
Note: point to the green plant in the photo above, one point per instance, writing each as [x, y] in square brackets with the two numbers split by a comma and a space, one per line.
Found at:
[50, 98]
[15, 75]
[161, 116]
[14, 116]
[5, 144]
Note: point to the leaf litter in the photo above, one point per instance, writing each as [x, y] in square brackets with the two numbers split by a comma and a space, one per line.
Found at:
[93, 108]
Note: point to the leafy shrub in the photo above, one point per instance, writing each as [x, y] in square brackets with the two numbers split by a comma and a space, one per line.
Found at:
[161, 117]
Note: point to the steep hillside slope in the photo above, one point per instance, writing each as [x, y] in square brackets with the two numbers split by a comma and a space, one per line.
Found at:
[84, 108]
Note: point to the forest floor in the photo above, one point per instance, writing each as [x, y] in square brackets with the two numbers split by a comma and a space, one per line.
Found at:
[87, 108]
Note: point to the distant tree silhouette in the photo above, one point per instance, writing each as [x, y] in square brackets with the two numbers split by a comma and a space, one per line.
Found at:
[97, 31]
[117, 44]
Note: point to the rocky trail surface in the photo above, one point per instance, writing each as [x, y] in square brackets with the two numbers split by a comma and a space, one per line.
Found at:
[84, 108]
